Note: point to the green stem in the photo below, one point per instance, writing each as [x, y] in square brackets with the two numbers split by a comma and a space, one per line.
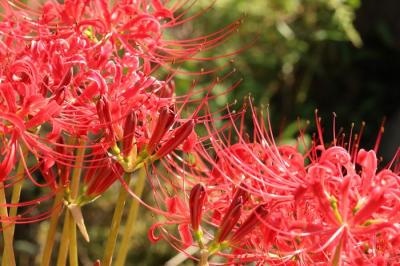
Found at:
[8, 252]
[64, 241]
[16, 193]
[73, 246]
[132, 217]
[75, 180]
[48, 247]
[68, 237]
[116, 221]
[76, 173]
[203, 257]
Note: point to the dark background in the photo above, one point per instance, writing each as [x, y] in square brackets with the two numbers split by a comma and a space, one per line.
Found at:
[308, 55]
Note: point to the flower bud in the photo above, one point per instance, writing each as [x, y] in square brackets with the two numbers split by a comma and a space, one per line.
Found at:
[230, 219]
[241, 192]
[197, 199]
[251, 222]
[129, 133]
[177, 137]
[104, 113]
[59, 95]
[164, 122]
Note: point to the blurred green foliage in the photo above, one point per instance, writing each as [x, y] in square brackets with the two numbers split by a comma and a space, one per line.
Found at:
[303, 55]
[285, 36]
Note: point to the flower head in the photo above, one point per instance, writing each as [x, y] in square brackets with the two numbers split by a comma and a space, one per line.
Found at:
[270, 203]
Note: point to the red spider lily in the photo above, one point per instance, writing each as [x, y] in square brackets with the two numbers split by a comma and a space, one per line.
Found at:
[57, 55]
[63, 82]
[139, 147]
[137, 26]
[79, 97]
[330, 205]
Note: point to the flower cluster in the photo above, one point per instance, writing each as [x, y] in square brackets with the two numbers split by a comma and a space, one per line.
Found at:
[253, 200]
[81, 75]
[87, 97]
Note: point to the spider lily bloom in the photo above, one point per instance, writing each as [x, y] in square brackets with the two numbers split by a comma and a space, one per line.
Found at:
[269, 170]
[350, 215]
[84, 60]
[130, 133]
[85, 71]
[137, 27]
[330, 205]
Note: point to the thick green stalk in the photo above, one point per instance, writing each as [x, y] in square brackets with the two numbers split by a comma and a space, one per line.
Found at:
[116, 221]
[64, 241]
[16, 193]
[15, 196]
[132, 216]
[203, 257]
[48, 247]
[8, 252]
[75, 180]
[73, 246]
[68, 239]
